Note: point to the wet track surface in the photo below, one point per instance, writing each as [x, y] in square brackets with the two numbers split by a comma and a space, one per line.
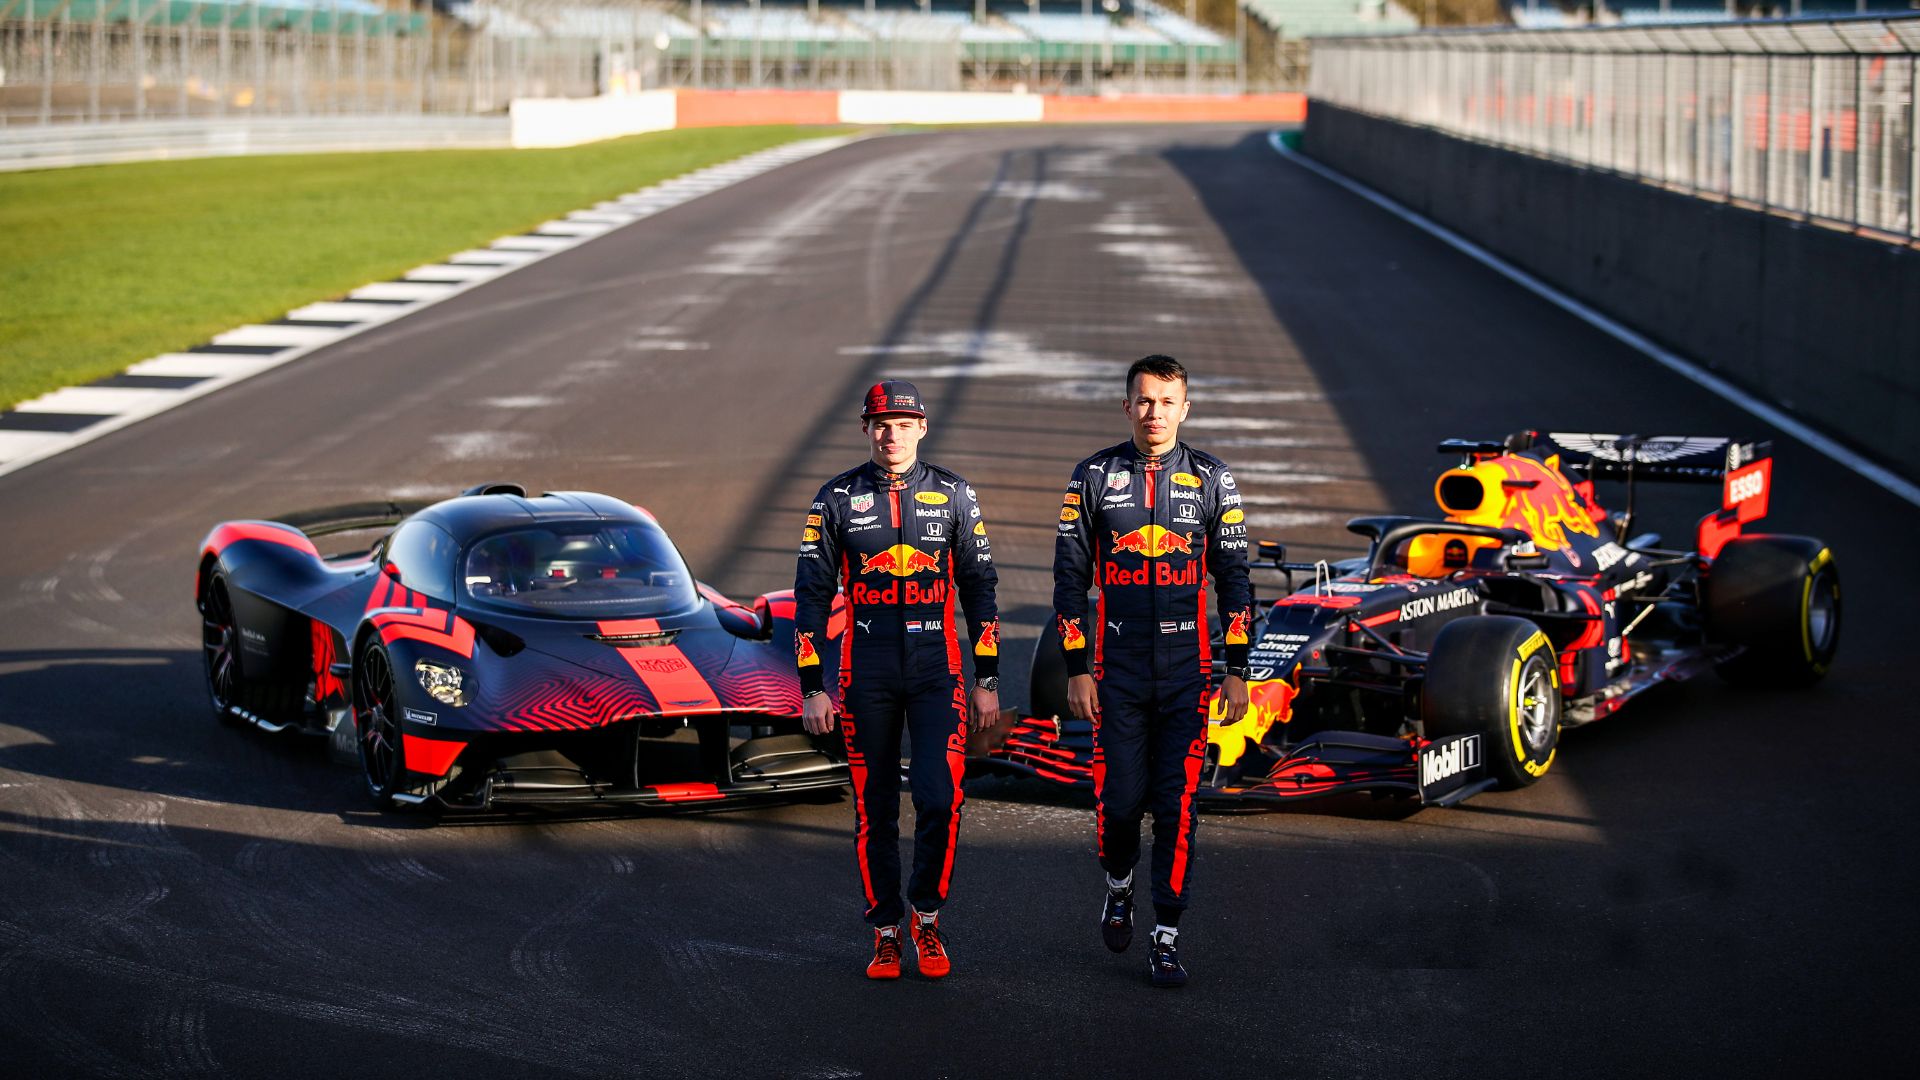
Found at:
[1714, 881]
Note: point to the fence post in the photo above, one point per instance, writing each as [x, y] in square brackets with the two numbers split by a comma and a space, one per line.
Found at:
[1814, 104]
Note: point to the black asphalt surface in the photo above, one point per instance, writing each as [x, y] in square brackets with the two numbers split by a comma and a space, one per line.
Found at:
[1712, 883]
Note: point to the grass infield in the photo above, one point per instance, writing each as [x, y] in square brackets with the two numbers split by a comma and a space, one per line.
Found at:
[102, 267]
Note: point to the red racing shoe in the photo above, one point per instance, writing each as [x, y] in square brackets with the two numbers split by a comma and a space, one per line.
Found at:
[934, 963]
[886, 954]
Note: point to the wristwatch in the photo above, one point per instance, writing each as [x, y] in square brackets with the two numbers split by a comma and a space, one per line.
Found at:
[991, 684]
[1241, 673]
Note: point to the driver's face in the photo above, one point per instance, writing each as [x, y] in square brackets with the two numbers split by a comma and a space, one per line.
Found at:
[894, 440]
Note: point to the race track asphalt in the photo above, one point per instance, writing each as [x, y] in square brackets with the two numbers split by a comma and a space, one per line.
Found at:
[1712, 883]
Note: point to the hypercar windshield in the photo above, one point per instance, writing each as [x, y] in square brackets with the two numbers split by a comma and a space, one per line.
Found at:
[584, 569]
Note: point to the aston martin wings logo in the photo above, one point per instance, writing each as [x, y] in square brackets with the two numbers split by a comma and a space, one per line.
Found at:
[1649, 449]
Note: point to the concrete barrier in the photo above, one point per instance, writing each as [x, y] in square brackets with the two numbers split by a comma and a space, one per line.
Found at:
[1819, 320]
[914, 107]
[539, 122]
[732, 108]
[1151, 108]
[59, 145]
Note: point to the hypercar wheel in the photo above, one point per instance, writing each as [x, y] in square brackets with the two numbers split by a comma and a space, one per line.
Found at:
[233, 697]
[1047, 686]
[1778, 597]
[377, 725]
[1494, 675]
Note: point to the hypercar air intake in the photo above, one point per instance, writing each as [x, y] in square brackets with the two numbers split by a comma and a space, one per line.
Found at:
[650, 639]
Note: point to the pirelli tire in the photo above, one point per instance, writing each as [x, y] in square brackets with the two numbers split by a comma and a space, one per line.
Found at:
[234, 698]
[1778, 598]
[1047, 685]
[1496, 676]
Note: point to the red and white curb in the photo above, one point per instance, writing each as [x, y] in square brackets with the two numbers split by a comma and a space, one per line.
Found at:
[56, 422]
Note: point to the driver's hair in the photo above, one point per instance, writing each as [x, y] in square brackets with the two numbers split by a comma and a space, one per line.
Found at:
[1160, 367]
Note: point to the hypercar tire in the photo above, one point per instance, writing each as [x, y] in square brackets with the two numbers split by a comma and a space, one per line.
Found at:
[377, 726]
[1778, 597]
[1047, 684]
[1494, 675]
[232, 697]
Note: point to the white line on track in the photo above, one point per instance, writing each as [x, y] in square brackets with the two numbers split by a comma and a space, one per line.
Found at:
[1686, 369]
[104, 409]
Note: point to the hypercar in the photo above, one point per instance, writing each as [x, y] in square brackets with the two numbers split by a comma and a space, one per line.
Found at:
[1449, 657]
[496, 648]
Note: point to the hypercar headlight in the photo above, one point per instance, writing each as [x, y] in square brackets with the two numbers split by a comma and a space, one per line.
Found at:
[443, 683]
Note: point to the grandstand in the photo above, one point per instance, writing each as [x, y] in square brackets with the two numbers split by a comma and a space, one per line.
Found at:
[1311, 18]
[95, 60]
[1549, 15]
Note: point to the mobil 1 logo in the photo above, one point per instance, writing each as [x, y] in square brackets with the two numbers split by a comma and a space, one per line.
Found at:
[1448, 764]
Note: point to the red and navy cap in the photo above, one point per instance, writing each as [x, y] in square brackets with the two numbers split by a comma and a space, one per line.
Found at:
[893, 396]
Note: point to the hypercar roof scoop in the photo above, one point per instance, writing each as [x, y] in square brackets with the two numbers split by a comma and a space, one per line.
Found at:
[496, 488]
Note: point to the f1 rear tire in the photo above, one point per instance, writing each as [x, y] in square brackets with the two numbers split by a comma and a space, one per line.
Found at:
[1778, 598]
[1495, 676]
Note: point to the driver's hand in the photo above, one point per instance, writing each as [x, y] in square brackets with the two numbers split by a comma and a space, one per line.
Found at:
[1234, 698]
[1083, 698]
[986, 708]
[816, 714]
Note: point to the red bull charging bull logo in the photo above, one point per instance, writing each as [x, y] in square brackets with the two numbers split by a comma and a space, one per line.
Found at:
[900, 560]
[1153, 541]
[1071, 636]
[989, 644]
[803, 649]
[1237, 628]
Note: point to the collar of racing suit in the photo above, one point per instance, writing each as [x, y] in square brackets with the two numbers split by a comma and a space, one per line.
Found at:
[892, 481]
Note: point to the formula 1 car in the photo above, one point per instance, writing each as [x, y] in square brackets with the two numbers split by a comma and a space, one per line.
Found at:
[1448, 658]
[497, 649]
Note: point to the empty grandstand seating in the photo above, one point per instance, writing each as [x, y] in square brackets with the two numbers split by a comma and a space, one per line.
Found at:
[1308, 18]
[311, 16]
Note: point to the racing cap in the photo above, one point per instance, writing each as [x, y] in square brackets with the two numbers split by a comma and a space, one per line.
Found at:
[893, 396]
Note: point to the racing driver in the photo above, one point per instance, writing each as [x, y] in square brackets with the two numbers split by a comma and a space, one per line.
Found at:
[902, 537]
[1143, 523]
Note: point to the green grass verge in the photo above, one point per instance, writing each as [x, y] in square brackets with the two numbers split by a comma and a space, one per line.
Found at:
[102, 267]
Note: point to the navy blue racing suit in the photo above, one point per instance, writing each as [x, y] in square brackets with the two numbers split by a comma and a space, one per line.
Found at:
[902, 547]
[1145, 533]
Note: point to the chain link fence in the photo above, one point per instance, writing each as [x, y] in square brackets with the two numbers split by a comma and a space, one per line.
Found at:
[1815, 117]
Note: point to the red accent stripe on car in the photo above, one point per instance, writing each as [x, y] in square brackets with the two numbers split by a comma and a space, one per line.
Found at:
[675, 683]
[689, 792]
[431, 756]
[438, 628]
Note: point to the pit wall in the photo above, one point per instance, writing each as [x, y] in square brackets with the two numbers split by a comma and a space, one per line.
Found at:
[1821, 321]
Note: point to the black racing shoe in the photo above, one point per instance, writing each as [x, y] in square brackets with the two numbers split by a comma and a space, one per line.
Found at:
[1163, 963]
[1116, 919]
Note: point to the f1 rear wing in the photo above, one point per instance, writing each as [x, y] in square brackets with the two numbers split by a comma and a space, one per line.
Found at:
[1685, 458]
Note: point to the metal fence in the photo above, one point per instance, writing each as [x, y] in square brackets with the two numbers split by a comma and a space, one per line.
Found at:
[1815, 117]
[123, 60]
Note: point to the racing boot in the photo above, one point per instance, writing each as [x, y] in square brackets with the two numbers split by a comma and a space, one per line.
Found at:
[1163, 962]
[932, 948]
[1116, 916]
[886, 953]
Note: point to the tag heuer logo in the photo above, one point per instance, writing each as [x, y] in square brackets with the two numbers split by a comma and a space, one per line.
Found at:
[1119, 480]
[861, 503]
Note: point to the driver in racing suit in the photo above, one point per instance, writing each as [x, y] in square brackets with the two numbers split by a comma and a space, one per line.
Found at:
[1144, 523]
[903, 538]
